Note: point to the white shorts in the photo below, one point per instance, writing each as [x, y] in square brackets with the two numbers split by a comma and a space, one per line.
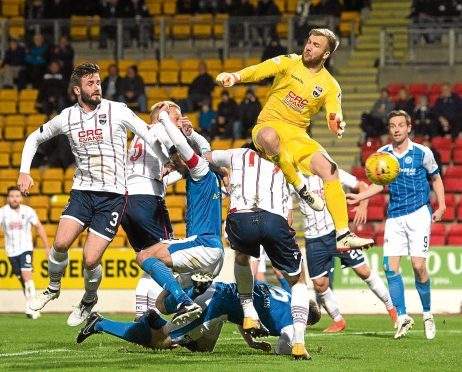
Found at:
[408, 235]
[196, 254]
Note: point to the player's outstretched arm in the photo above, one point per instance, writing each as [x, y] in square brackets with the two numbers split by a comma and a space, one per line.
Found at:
[439, 191]
[47, 131]
[254, 344]
[370, 192]
[361, 210]
[254, 73]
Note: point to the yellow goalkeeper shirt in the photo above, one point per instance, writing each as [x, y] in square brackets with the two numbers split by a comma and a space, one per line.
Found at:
[296, 94]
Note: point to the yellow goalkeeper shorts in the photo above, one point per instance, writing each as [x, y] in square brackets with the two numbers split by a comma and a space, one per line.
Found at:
[295, 143]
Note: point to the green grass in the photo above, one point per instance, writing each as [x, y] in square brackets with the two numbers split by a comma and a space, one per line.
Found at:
[367, 345]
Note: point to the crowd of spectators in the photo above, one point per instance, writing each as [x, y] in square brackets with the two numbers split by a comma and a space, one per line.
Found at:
[444, 118]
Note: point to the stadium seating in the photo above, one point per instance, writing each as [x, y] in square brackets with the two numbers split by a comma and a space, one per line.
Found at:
[455, 234]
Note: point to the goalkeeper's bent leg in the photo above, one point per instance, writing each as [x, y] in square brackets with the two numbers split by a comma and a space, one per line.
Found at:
[321, 165]
[268, 140]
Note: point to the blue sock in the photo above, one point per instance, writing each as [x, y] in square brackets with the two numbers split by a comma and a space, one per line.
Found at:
[164, 277]
[396, 287]
[170, 303]
[424, 293]
[135, 332]
[284, 284]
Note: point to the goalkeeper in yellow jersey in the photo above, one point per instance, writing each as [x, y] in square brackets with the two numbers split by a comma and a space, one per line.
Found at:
[301, 86]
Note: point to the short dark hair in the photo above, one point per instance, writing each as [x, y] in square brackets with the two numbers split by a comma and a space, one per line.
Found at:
[249, 145]
[12, 188]
[395, 113]
[84, 69]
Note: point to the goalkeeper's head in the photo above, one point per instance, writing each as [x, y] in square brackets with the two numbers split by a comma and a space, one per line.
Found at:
[320, 45]
[174, 112]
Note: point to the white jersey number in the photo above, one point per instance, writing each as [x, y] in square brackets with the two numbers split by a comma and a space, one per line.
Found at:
[115, 218]
[279, 294]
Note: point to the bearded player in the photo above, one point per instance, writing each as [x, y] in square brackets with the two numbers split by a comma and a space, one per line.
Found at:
[301, 87]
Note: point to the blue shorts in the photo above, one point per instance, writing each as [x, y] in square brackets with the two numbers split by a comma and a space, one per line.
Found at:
[320, 251]
[101, 212]
[21, 262]
[146, 221]
[248, 230]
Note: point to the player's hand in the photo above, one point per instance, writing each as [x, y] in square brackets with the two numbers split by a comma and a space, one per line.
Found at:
[352, 198]
[227, 79]
[360, 214]
[25, 182]
[336, 124]
[438, 214]
[186, 126]
[261, 345]
[164, 107]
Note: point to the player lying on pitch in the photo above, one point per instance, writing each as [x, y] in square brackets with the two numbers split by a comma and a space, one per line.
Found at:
[220, 303]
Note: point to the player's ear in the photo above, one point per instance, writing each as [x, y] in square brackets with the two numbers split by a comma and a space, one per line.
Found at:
[76, 90]
[326, 54]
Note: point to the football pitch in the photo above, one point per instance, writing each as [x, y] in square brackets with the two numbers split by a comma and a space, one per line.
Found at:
[366, 345]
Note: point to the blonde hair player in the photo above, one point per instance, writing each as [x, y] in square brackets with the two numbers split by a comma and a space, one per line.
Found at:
[301, 87]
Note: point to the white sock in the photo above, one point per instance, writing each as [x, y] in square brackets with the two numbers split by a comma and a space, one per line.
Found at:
[57, 263]
[29, 292]
[329, 303]
[299, 307]
[141, 293]
[92, 280]
[380, 290]
[154, 290]
[244, 281]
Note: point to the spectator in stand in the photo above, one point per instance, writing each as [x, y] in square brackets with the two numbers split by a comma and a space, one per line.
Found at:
[228, 6]
[404, 101]
[448, 111]
[273, 49]
[326, 7]
[52, 93]
[112, 83]
[424, 120]
[55, 9]
[249, 109]
[436, 154]
[36, 61]
[55, 153]
[110, 12]
[301, 27]
[64, 53]
[374, 123]
[12, 69]
[207, 122]
[132, 89]
[356, 5]
[141, 31]
[266, 8]
[227, 116]
[200, 90]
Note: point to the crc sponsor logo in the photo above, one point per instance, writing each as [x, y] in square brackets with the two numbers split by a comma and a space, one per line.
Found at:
[90, 135]
[15, 225]
[295, 102]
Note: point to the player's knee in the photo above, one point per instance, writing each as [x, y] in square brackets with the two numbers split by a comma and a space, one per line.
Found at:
[321, 284]
[389, 272]
[91, 263]
[420, 269]
[268, 139]
[60, 245]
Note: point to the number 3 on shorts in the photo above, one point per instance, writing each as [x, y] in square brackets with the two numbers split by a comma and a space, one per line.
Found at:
[115, 218]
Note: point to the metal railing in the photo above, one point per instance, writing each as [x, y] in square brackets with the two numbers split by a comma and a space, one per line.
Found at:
[436, 46]
[229, 36]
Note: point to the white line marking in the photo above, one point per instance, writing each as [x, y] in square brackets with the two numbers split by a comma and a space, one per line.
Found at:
[33, 352]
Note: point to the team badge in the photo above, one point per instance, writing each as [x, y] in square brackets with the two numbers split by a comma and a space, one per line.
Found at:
[317, 91]
[102, 119]
[408, 160]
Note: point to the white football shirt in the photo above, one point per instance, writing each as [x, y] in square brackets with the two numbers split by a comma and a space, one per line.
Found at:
[254, 181]
[98, 140]
[16, 225]
[320, 223]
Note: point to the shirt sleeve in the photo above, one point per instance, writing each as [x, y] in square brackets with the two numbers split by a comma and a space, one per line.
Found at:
[199, 141]
[33, 218]
[429, 162]
[268, 68]
[347, 179]
[290, 202]
[333, 101]
[221, 158]
[47, 131]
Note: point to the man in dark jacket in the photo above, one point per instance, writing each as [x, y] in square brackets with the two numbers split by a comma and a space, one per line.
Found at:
[112, 83]
[13, 66]
[132, 89]
[200, 89]
[52, 93]
[228, 115]
[249, 109]
[448, 111]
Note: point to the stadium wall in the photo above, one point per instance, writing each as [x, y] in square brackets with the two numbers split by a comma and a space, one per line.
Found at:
[419, 74]
[117, 293]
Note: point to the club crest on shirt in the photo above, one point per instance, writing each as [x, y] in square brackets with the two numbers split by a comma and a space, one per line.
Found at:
[408, 160]
[317, 91]
[102, 119]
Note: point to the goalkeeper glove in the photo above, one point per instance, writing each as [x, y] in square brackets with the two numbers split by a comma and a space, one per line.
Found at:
[227, 79]
[336, 124]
